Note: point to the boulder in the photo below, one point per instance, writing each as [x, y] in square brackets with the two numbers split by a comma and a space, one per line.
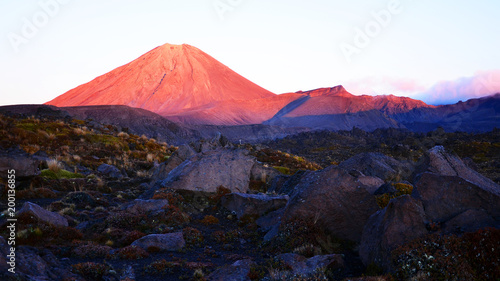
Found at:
[378, 165]
[23, 163]
[446, 164]
[286, 184]
[161, 171]
[209, 170]
[444, 197]
[333, 199]
[237, 271]
[140, 206]
[253, 204]
[264, 174]
[36, 212]
[469, 221]
[33, 264]
[400, 222]
[162, 242]
[371, 183]
[303, 266]
[110, 171]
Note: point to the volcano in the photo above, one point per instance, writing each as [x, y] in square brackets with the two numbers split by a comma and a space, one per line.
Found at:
[186, 85]
[167, 80]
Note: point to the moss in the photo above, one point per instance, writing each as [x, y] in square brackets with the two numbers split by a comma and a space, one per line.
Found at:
[61, 174]
[283, 170]
[402, 189]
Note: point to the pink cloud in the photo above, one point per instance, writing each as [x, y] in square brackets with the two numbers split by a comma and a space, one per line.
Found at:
[484, 83]
[384, 85]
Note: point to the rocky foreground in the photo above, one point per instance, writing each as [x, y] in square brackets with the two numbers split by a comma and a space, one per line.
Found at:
[94, 203]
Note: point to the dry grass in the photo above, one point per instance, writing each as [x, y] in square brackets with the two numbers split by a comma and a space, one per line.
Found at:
[150, 157]
[123, 135]
[79, 131]
[54, 165]
[77, 158]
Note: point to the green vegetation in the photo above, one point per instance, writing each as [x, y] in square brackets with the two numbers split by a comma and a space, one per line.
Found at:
[71, 186]
[61, 174]
[283, 170]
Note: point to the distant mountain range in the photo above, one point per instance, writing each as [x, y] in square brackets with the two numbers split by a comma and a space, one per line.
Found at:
[189, 87]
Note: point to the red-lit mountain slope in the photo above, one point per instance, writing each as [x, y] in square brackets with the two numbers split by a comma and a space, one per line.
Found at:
[169, 79]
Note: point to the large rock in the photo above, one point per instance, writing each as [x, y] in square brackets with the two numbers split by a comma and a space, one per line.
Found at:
[303, 266]
[378, 165]
[286, 184]
[162, 242]
[446, 164]
[445, 197]
[162, 170]
[253, 204]
[401, 221]
[110, 171]
[333, 199]
[371, 184]
[23, 163]
[33, 264]
[36, 212]
[140, 206]
[469, 221]
[237, 271]
[264, 174]
[209, 170]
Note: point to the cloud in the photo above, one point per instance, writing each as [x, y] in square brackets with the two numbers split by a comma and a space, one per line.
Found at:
[384, 85]
[483, 83]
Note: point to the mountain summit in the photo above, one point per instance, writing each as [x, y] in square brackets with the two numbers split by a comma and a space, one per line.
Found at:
[186, 85]
[167, 80]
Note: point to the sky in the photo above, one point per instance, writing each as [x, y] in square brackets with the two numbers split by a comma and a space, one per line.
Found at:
[437, 51]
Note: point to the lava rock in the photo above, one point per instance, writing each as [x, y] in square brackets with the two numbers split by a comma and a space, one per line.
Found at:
[34, 211]
[253, 204]
[400, 222]
[162, 242]
[334, 200]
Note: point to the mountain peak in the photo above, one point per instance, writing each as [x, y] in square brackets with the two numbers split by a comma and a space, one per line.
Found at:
[166, 80]
[332, 91]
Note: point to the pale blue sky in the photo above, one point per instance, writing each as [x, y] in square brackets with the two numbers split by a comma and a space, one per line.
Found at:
[281, 45]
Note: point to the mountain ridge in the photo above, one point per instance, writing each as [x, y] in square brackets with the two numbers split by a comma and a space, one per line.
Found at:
[187, 86]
